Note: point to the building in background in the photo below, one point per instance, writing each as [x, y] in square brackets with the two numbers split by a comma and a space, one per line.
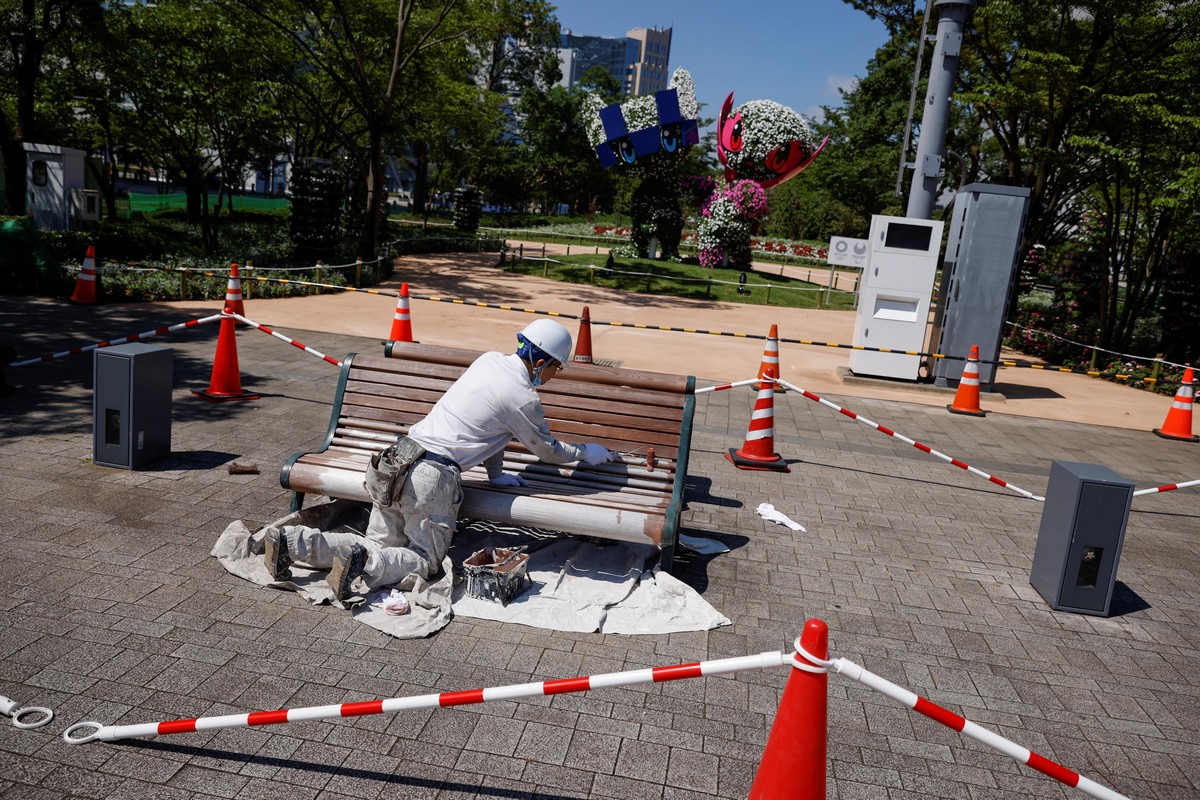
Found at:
[649, 73]
[638, 61]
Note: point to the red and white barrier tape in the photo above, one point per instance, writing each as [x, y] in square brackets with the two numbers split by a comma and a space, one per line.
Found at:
[724, 386]
[279, 335]
[698, 669]
[919, 446]
[922, 447]
[1167, 488]
[1170, 487]
[800, 659]
[964, 726]
[131, 338]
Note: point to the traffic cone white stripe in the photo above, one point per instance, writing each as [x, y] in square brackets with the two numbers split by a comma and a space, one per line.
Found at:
[233, 292]
[770, 357]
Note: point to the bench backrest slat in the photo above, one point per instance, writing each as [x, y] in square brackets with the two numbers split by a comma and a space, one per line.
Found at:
[589, 374]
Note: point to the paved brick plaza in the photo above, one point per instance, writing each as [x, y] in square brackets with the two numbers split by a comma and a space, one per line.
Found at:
[113, 610]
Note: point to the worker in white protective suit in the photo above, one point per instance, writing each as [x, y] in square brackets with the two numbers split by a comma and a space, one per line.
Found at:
[493, 402]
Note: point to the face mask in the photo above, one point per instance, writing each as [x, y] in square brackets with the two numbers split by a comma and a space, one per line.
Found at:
[536, 376]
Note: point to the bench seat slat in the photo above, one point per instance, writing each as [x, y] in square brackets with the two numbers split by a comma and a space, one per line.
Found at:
[610, 478]
[586, 514]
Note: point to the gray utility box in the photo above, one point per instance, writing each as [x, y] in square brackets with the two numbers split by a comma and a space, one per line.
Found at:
[978, 273]
[131, 406]
[1079, 542]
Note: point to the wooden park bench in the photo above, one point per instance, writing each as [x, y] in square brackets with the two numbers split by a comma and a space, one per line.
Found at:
[628, 411]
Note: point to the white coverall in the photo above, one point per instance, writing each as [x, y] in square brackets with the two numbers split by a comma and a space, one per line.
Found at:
[493, 402]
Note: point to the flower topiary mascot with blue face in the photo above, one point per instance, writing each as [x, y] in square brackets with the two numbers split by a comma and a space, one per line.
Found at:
[646, 136]
[762, 144]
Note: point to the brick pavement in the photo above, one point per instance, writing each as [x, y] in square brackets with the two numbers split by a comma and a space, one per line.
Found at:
[113, 610]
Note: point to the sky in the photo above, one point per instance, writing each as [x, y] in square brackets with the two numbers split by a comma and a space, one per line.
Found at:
[795, 52]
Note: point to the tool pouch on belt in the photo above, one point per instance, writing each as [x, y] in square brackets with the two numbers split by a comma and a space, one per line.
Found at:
[388, 468]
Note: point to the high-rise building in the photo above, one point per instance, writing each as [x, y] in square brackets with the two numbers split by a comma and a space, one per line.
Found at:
[638, 60]
[649, 73]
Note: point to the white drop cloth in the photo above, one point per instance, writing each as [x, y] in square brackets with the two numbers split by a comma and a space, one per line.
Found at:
[578, 584]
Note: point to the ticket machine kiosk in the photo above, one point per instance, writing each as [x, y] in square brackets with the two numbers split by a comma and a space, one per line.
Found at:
[894, 295]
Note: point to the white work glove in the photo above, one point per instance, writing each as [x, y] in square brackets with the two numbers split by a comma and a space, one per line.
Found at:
[505, 479]
[596, 454]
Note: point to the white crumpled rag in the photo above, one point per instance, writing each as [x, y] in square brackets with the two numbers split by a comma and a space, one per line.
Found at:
[395, 604]
[767, 511]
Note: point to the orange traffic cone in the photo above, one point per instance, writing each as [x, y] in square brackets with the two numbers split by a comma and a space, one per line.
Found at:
[771, 356]
[793, 763]
[966, 399]
[1178, 424]
[402, 320]
[85, 284]
[226, 382]
[583, 347]
[233, 293]
[758, 452]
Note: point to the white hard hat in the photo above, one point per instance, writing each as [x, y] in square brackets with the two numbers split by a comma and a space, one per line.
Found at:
[550, 337]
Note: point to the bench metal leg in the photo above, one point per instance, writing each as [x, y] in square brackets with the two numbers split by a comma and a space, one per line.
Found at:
[667, 556]
[297, 501]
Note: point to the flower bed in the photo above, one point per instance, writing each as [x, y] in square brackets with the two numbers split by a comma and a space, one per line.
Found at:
[796, 249]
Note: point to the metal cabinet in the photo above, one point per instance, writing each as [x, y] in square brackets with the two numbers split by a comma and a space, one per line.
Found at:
[1080, 538]
[978, 274]
[893, 303]
[131, 405]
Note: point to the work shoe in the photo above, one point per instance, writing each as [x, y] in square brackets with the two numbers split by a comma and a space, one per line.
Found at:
[349, 562]
[276, 555]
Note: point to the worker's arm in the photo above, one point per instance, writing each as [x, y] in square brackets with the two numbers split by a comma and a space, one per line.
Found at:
[528, 424]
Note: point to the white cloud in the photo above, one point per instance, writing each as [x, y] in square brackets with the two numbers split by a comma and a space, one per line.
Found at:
[836, 82]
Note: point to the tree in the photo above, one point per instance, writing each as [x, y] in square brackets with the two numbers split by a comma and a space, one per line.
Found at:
[35, 29]
[197, 87]
[855, 176]
[557, 163]
[516, 45]
[450, 123]
[368, 46]
[1093, 109]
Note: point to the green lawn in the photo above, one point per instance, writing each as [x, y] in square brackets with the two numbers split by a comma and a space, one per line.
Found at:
[673, 279]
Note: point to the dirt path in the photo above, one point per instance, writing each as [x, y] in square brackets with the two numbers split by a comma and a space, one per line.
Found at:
[721, 358]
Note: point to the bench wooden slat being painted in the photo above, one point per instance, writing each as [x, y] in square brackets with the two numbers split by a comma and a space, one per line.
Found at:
[628, 411]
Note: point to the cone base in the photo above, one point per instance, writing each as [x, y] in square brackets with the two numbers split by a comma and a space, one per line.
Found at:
[1177, 437]
[778, 464]
[967, 411]
[218, 397]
